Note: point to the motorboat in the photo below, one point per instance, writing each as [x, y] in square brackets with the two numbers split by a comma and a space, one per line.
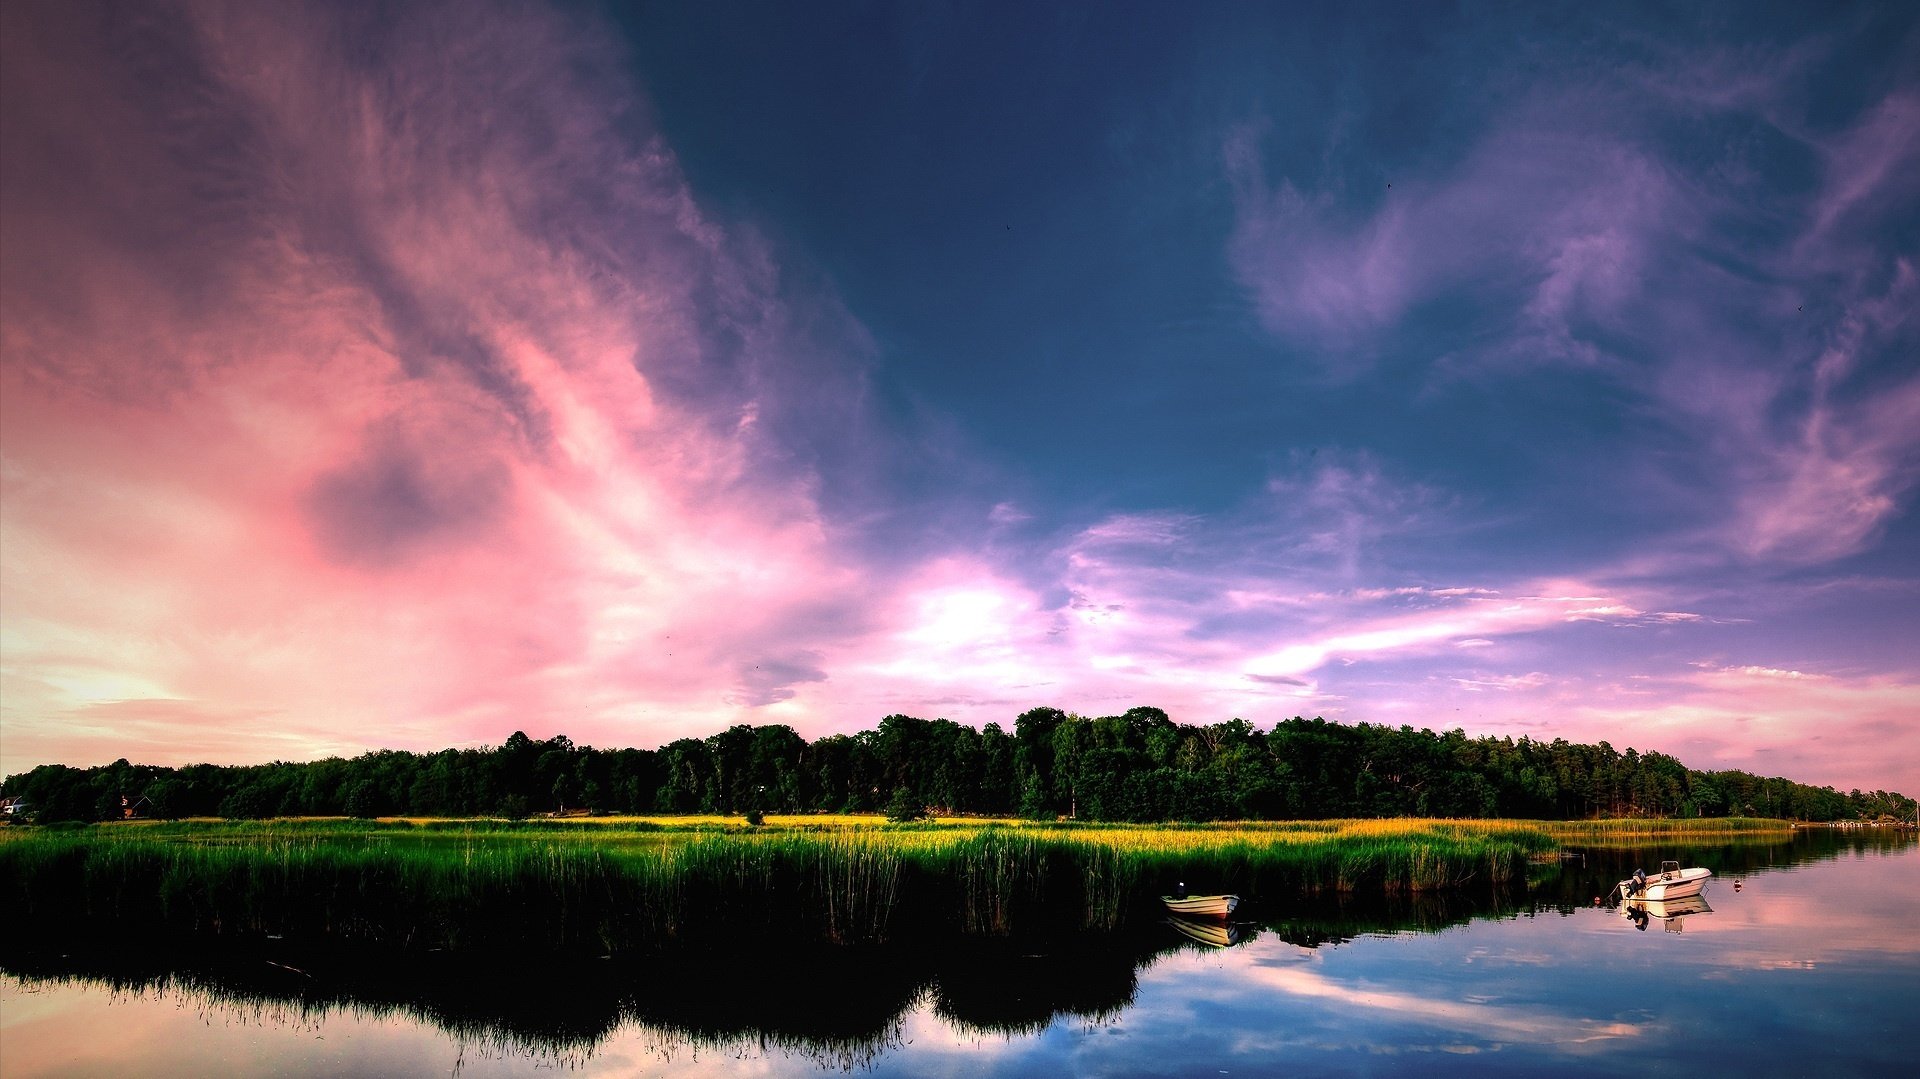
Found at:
[1201, 906]
[1668, 912]
[1672, 882]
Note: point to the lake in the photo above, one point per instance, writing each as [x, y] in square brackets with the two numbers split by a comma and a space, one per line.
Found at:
[1806, 962]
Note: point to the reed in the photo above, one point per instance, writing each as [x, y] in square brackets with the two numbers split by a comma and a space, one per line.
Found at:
[639, 886]
[1666, 826]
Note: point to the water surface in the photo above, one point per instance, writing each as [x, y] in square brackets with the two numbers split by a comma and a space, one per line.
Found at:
[1811, 966]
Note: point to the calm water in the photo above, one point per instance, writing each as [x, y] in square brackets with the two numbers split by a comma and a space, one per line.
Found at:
[1811, 967]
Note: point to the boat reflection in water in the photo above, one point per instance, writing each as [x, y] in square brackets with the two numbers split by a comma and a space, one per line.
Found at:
[1211, 933]
[1345, 977]
[1668, 912]
[1672, 882]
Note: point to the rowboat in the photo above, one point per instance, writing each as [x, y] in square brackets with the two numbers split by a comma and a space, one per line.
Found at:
[1672, 882]
[1201, 906]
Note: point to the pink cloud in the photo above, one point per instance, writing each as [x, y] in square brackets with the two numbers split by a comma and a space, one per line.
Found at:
[1471, 615]
[447, 456]
[428, 454]
[1503, 682]
[1506, 1022]
[1309, 274]
[1826, 492]
[411, 403]
[1814, 424]
[1844, 730]
[1565, 220]
[1815, 447]
[1214, 618]
[1872, 163]
[1574, 239]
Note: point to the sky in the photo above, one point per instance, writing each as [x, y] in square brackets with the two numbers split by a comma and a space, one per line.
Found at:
[402, 376]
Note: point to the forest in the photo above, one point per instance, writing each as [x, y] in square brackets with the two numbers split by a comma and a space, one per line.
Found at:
[1137, 766]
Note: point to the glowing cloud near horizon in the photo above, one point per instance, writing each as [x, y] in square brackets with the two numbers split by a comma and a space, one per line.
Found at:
[382, 379]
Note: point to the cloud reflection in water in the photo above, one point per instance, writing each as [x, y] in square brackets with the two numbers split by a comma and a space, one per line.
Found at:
[1809, 967]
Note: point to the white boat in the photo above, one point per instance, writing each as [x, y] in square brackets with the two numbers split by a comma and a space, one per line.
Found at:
[1201, 906]
[1668, 912]
[1208, 931]
[1672, 882]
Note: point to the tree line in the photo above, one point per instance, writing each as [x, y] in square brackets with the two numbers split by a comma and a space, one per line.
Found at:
[1137, 766]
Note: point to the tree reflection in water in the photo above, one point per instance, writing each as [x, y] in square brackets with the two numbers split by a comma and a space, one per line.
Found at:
[836, 1007]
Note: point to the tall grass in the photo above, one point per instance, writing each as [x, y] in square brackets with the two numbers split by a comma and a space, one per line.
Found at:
[1638, 828]
[600, 889]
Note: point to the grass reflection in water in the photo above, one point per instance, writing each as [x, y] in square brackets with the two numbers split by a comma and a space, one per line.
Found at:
[835, 1006]
[595, 890]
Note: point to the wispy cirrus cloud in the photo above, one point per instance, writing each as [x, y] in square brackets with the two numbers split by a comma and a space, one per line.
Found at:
[1760, 324]
[1759, 327]
[1556, 225]
[1868, 173]
[1823, 490]
[1846, 729]
[1228, 613]
[1503, 1022]
[1460, 618]
[381, 370]
[379, 377]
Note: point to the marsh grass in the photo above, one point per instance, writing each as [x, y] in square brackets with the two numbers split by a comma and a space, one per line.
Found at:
[640, 885]
[1686, 828]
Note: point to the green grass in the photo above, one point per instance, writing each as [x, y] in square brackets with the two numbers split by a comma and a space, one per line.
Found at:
[1638, 832]
[1643, 826]
[638, 885]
